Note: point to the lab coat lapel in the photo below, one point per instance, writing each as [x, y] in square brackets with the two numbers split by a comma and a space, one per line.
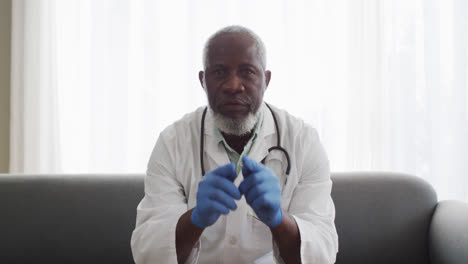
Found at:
[265, 138]
[213, 150]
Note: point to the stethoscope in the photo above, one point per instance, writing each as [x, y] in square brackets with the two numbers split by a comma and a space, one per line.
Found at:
[277, 147]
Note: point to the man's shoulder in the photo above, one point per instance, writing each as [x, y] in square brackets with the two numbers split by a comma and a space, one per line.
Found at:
[285, 117]
[188, 122]
[191, 118]
[293, 125]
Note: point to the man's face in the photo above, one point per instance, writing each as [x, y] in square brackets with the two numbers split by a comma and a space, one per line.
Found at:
[234, 78]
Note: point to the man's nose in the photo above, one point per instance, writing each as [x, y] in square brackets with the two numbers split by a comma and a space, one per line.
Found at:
[233, 84]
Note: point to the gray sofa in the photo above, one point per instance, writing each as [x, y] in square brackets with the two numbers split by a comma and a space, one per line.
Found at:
[380, 218]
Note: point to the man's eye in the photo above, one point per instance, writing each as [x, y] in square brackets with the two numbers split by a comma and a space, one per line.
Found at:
[248, 71]
[218, 72]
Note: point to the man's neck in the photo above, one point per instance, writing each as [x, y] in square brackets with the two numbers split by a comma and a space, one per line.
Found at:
[238, 142]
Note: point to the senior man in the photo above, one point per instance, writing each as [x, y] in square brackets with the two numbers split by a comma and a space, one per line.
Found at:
[238, 181]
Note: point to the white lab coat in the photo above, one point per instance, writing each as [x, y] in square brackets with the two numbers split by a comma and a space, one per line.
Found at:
[172, 181]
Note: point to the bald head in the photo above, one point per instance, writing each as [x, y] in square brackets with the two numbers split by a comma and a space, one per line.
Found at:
[235, 32]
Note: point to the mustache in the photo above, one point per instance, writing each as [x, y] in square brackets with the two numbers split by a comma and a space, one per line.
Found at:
[234, 100]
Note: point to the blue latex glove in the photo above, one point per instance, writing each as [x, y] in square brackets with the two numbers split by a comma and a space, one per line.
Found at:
[215, 196]
[262, 191]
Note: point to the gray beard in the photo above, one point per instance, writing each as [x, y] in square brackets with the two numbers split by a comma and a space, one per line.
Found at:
[237, 127]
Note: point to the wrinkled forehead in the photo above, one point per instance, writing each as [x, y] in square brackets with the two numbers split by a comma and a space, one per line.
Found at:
[233, 48]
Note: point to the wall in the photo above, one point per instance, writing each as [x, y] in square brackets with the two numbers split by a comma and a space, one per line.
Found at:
[5, 39]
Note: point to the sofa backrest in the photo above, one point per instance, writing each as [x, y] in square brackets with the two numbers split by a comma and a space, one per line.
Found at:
[68, 218]
[380, 217]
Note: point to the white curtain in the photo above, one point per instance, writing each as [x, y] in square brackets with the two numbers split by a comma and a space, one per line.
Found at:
[384, 82]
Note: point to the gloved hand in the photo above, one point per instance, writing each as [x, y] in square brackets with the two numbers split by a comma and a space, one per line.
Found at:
[215, 196]
[262, 191]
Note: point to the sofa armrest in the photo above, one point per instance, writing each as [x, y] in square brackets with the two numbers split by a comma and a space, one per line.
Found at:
[448, 234]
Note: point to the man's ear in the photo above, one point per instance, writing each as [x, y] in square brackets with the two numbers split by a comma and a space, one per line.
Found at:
[201, 76]
[267, 78]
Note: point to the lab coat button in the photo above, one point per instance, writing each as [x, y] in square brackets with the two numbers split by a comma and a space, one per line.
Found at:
[233, 240]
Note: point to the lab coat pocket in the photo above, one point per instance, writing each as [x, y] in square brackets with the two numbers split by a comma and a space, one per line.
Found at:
[261, 235]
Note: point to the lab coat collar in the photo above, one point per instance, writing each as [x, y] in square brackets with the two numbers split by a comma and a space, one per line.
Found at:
[259, 149]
